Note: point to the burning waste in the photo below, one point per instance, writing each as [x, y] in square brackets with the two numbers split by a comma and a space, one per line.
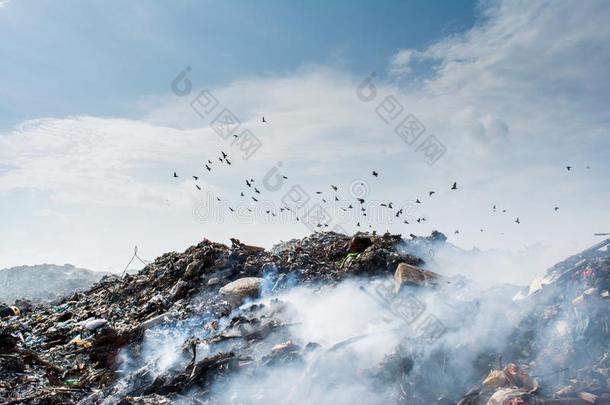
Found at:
[329, 319]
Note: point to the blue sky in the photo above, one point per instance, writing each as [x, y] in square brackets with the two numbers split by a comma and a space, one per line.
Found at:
[91, 133]
[100, 58]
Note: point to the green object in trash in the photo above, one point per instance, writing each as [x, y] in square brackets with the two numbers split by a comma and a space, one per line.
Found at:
[72, 381]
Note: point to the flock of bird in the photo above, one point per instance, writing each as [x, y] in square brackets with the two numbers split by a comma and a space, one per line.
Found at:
[254, 194]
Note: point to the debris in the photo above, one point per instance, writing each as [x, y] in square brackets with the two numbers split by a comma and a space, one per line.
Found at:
[407, 274]
[74, 350]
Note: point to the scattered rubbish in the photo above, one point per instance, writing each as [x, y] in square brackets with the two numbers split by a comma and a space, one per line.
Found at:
[169, 334]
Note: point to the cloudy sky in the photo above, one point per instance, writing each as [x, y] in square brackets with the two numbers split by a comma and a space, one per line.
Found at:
[100, 102]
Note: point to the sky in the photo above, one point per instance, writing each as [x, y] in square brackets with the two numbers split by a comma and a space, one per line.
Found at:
[101, 102]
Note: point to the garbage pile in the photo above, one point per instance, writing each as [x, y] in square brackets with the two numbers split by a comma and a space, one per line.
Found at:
[61, 353]
[232, 324]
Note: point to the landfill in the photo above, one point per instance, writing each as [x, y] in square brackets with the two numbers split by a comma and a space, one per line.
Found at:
[220, 324]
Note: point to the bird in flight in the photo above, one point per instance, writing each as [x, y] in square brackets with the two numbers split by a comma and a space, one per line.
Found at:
[248, 183]
[175, 175]
[375, 173]
[361, 200]
[198, 188]
[256, 190]
[430, 193]
[224, 155]
[196, 178]
[241, 194]
[264, 119]
[227, 160]
[556, 208]
[254, 199]
[456, 231]
[333, 187]
[208, 167]
[454, 186]
[517, 221]
[417, 201]
[569, 168]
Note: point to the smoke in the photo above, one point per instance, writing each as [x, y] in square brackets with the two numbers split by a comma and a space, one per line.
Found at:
[357, 340]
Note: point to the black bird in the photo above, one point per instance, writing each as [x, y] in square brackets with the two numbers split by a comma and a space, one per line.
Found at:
[456, 231]
[241, 194]
[256, 190]
[503, 211]
[198, 188]
[224, 155]
[375, 173]
[569, 168]
[254, 199]
[406, 222]
[494, 208]
[227, 160]
[232, 210]
[249, 209]
[344, 209]
[358, 224]
[264, 119]
[318, 192]
[209, 161]
[333, 187]
[517, 221]
[196, 178]
[397, 214]
[218, 198]
[323, 200]
[417, 201]
[350, 206]
[383, 205]
[286, 178]
[454, 186]
[361, 200]
[556, 208]
[430, 193]
[220, 159]
[336, 198]
[175, 175]
[390, 205]
[208, 167]
[248, 183]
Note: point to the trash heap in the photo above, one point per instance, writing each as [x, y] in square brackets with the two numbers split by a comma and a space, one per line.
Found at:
[563, 343]
[94, 347]
[62, 353]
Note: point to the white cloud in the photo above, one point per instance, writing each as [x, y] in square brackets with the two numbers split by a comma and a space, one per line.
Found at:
[514, 100]
[4, 3]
